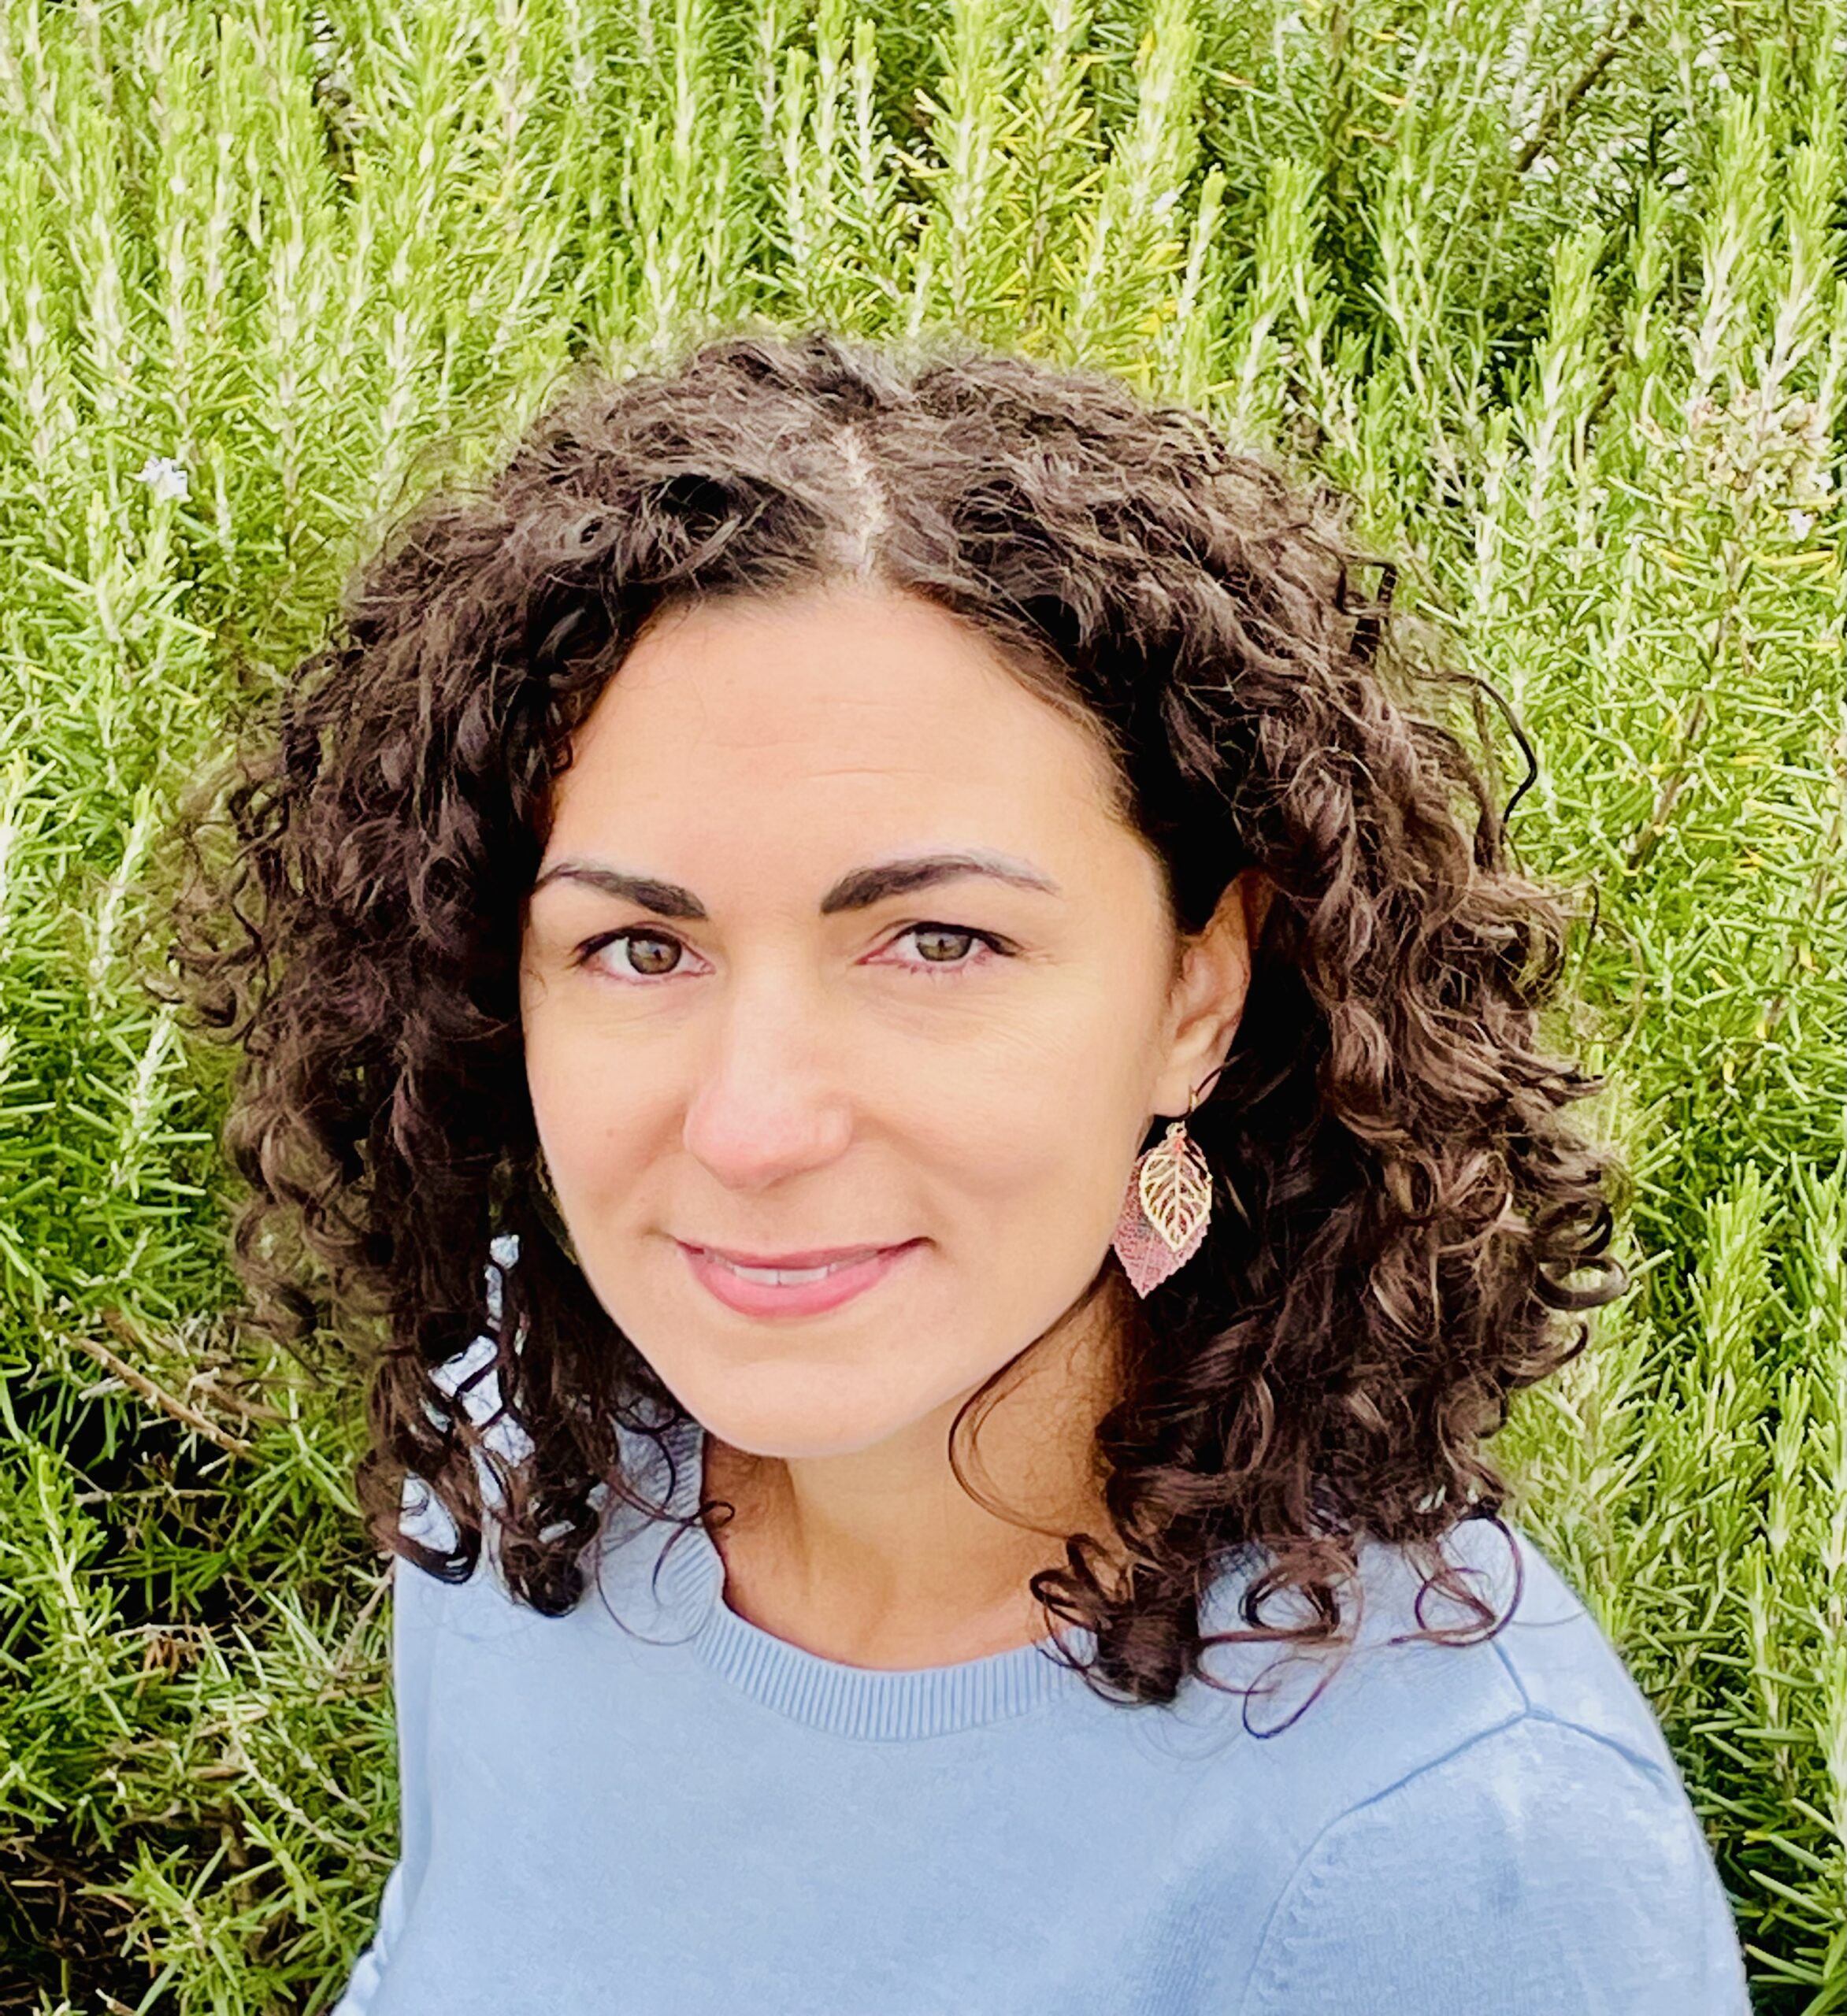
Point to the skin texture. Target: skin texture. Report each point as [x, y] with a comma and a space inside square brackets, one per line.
[770, 1080]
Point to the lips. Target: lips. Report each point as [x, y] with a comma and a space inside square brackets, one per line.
[793, 1291]
[814, 1257]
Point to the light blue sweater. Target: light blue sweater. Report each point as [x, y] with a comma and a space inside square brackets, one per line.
[703, 1820]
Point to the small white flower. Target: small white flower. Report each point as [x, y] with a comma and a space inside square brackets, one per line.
[164, 476]
[1801, 523]
[505, 1248]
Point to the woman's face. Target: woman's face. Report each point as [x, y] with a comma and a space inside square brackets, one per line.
[770, 1053]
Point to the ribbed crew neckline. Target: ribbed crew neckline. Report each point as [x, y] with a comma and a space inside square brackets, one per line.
[874, 1703]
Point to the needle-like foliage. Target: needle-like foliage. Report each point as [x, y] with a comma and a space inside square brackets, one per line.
[1556, 290]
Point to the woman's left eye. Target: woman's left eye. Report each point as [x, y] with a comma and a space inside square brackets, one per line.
[939, 931]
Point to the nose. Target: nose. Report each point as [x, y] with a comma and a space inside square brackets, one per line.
[770, 1101]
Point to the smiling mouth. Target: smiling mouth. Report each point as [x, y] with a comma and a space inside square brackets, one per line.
[790, 1269]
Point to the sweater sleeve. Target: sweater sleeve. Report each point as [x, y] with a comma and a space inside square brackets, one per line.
[1537, 1869]
[418, 1608]
[415, 1618]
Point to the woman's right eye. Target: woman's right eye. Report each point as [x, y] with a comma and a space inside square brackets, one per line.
[637, 966]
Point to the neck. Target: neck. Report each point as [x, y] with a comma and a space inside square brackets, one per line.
[879, 1557]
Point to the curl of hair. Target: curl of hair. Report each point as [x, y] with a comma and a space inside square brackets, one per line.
[1402, 1215]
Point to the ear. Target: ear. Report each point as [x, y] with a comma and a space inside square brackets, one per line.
[1207, 1002]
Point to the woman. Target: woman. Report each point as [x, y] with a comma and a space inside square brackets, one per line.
[887, 889]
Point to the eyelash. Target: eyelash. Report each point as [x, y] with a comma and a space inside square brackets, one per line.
[997, 948]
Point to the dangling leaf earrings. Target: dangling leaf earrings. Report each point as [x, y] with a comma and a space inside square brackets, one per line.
[1168, 1206]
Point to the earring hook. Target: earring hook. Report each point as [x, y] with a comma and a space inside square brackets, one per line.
[1199, 1090]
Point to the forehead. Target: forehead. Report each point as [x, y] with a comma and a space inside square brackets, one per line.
[845, 705]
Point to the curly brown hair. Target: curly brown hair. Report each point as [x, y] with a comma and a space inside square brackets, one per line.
[1402, 1211]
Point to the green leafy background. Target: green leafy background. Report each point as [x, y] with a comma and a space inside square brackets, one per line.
[1555, 288]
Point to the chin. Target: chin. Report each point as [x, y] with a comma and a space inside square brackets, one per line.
[798, 1409]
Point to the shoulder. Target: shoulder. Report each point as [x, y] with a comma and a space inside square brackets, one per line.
[1551, 1660]
[1536, 1868]
[1506, 1828]
[1396, 1703]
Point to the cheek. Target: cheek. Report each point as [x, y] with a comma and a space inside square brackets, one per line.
[607, 1142]
[583, 1109]
[1045, 1141]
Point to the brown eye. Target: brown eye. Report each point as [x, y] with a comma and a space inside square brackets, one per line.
[926, 933]
[662, 951]
[654, 960]
[948, 948]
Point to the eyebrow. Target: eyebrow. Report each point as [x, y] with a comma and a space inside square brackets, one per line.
[857, 890]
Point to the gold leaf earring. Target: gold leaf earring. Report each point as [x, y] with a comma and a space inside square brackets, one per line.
[1168, 1207]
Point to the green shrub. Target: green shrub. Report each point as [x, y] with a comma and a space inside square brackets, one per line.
[1556, 292]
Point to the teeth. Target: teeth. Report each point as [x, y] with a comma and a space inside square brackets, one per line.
[784, 1276]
